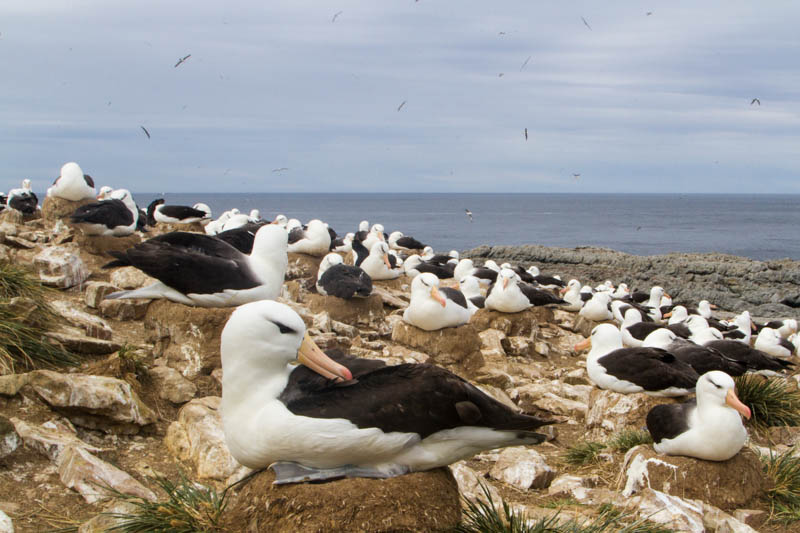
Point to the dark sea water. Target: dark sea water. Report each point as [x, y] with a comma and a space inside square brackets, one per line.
[755, 226]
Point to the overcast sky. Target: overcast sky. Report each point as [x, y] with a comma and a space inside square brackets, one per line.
[631, 101]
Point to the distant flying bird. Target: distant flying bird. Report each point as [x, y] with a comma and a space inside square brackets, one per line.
[526, 134]
[336, 15]
[145, 131]
[181, 60]
[586, 23]
[638, 228]
[280, 169]
[755, 101]
[525, 63]
[501, 33]
[649, 13]
[401, 105]
[576, 176]
[469, 214]
[500, 75]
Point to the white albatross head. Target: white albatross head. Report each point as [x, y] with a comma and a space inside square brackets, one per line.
[718, 389]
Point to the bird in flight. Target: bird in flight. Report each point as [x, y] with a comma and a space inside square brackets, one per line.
[401, 105]
[755, 101]
[468, 213]
[526, 134]
[586, 23]
[145, 131]
[525, 63]
[576, 176]
[280, 169]
[336, 15]
[649, 13]
[181, 60]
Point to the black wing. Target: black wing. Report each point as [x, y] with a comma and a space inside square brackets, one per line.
[704, 359]
[667, 421]
[410, 243]
[640, 330]
[191, 263]
[112, 213]
[538, 296]
[242, 237]
[786, 344]
[750, 357]
[440, 271]
[456, 295]
[182, 212]
[547, 280]
[523, 274]
[296, 234]
[88, 179]
[361, 252]
[478, 301]
[485, 273]
[439, 259]
[24, 203]
[304, 381]
[681, 330]
[346, 281]
[652, 369]
[412, 398]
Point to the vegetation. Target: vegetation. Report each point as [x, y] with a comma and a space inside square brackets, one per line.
[483, 516]
[628, 438]
[189, 508]
[784, 497]
[588, 452]
[23, 324]
[771, 402]
[583, 453]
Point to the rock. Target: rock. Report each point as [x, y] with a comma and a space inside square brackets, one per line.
[9, 438]
[12, 216]
[302, 266]
[197, 437]
[125, 309]
[54, 208]
[391, 298]
[555, 404]
[492, 343]
[610, 411]
[522, 347]
[51, 438]
[75, 341]
[11, 384]
[95, 291]
[25, 310]
[322, 322]
[721, 522]
[128, 278]
[171, 384]
[60, 266]
[726, 484]
[495, 377]
[556, 397]
[751, 517]
[187, 337]
[109, 518]
[422, 501]
[471, 484]
[448, 346]
[670, 511]
[523, 324]
[6, 525]
[92, 477]
[97, 402]
[522, 468]
[100, 245]
[93, 326]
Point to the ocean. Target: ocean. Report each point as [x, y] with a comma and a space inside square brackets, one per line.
[755, 226]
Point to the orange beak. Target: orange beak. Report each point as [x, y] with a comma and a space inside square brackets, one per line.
[438, 297]
[311, 356]
[505, 282]
[584, 344]
[668, 296]
[563, 290]
[667, 315]
[713, 306]
[732, 400]
[386, 260]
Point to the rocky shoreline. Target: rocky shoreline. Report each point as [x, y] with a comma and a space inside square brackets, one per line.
[735, 284]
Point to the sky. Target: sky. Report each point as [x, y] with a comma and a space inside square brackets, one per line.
[403, 95]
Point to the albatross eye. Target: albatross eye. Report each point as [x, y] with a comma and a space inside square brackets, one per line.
[283, 328]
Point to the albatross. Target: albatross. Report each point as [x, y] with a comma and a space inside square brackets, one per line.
[72, 184]
[201, 270]
[432, 308]
[378, 421]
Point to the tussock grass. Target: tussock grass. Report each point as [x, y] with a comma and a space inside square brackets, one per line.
[771, 402]
[189, 508]
[583, 453]
[483, 516]
[624, 440]
[784, 497]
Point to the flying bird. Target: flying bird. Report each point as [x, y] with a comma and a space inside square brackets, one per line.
[401, 105]
[145, 131]
[501, 33]
[526, 134]
[525, 63]
[336, 15]
[755, 101]
[586, 23]
[469, 214]
[649, 13]
[181, 60]
[280, 169]
[576, 176]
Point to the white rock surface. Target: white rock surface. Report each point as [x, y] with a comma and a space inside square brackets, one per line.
[522, 468]
[60, 266]
[6, 525]
[129, 277]
[470, 483]
[171, 384]
[51, 438]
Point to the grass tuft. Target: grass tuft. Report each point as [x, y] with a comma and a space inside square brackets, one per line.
[784, 497]
[189, 508]
[583, 453]
[626, 439]
[483, 516]
[771, 402]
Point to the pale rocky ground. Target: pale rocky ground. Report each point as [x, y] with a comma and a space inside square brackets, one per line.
[145, 403]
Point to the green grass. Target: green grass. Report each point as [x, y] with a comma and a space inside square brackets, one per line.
[483, 516]
[770, 401]
[583, 453]
[188, 509]
[626, 439]
[784, 497]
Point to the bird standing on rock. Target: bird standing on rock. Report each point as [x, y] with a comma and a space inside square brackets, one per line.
[432, 308]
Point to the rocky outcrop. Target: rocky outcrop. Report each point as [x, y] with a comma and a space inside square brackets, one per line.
[766, 288]
[449, 346]
[356, 311]
[54, 208]
[423, 501]
[61, 266]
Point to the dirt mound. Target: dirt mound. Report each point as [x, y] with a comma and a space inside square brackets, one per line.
[423, 501]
